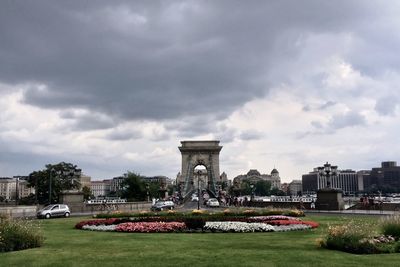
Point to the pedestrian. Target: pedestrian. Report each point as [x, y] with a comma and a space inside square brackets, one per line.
[312, 205]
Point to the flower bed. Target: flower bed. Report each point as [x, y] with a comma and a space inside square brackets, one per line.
[238, 227]
[150, 227]
[199, 222]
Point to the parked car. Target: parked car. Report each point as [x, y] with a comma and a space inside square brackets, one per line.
[54, 210]
[195, 198]
[212, 202]
[163, 205]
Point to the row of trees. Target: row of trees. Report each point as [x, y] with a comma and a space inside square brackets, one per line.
[55, 178]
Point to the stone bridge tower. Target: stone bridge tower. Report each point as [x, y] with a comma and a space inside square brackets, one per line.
[195, 153]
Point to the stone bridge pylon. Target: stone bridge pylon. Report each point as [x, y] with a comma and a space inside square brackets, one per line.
[199, 153]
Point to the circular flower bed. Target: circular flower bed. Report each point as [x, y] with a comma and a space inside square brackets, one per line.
[198, 222]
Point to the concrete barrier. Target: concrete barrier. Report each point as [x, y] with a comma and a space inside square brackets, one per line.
[76, 209]
[19, 211]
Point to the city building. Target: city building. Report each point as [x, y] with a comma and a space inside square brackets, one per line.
[24, 190]
[116, 184]
[295, 188]
[84, 180]
[157, 179]
[384, 178]
[100, 188]
[346, 180]
[7, 188]
[253, 176]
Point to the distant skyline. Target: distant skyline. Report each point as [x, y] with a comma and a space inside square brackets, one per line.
[114, 86]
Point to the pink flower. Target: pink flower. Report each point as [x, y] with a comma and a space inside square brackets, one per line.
[150, 227]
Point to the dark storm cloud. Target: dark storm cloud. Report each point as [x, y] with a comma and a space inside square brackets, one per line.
[155, 60]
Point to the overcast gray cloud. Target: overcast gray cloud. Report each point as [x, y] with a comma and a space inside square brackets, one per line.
[95, 74]
[386, 105]
[156, 61]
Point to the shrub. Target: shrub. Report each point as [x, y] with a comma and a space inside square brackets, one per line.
[19, 234]
[391, 226]
[354, 237]
[195, 222]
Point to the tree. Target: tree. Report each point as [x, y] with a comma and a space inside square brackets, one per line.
[133, 187]
[245, 188]
[87, 193]
[262, 188]
[63, 176]
[277, 192]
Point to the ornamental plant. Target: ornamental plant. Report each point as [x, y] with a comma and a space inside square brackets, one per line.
[391, 226]
[351, 237]
[19, 234]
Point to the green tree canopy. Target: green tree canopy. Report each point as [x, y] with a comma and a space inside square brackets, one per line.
[87, 193]
[63, 176]
[262, 188]
[133, 187]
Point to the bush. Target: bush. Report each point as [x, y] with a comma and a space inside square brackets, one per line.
[19, 234]
[195, 222]
[352, 237]
[391, 226]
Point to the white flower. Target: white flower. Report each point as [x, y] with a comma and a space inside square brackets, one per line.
[292, 227]
[99, 227]
[238, 227]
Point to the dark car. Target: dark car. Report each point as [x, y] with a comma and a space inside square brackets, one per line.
[54, 210]
[163, 205]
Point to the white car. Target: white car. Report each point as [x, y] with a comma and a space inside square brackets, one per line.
[212, 202]
[195, 198]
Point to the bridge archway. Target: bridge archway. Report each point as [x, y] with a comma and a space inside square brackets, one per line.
[199, 153]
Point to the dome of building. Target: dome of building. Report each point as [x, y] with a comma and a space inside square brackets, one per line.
[274, 171]
[253, 172]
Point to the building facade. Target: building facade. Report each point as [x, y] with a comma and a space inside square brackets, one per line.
[7, 188]
[346, 180]
[295, 188]
[253, 176]
[100, 188]
[384, 178]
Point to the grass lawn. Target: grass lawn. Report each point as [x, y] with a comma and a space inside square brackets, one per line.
[65, 246]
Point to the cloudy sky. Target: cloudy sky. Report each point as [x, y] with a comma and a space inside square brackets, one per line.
[113, 86]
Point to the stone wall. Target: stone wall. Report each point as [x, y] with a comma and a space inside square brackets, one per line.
[281, 205]
[18, 211]
[101, 208]
[77, 209]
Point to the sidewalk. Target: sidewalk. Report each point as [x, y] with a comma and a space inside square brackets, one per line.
[354, 212]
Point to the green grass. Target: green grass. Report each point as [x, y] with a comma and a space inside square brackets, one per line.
[65, 246]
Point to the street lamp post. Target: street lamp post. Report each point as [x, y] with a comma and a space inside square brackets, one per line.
[16, 191]
[328, 171]
[198, 189]
[328, 197]
[147, 192]
[252, 192]
[50, 181]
